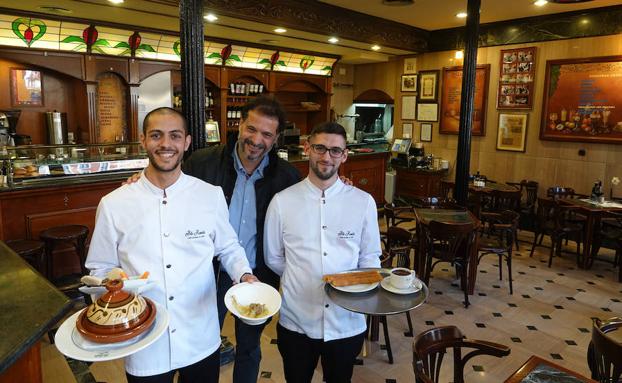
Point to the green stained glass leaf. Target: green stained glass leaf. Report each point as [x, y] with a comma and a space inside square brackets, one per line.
[72, 39]
[28, 36]
[146, 47]
[125, 52]
[214, 56]
[234, 58]
[263, 61]
[99, 42]
[176, 48]
[97, 49]
[280, 62]
[122, 44]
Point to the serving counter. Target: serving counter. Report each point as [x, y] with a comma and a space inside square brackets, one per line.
[29, 307]
[419, 183]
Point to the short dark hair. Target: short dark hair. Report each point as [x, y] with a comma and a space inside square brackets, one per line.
[267, 106]
[329, 128]
[164, 110]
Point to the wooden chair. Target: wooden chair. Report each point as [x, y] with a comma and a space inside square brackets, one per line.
[610, 235]
[498, 238]
[451, 243]
[394, 216]
[429, 349]
[551, 220]
[604, 353]
[529, 196]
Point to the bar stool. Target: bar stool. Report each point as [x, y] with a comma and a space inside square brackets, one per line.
[75, 234]
[31, 250]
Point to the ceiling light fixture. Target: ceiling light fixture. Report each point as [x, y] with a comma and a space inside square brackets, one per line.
[461, 15]
[116, 1]
[333, 40]
[540, 3]
[210, 17]
[375, 47]
[280, 30]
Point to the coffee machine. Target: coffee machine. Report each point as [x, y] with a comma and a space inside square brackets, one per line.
[8, 124]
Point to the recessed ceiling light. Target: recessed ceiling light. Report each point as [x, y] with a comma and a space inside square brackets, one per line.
[280, 30]
[540, 3]
[461, 15]
[116, 1]
[210, 17]
[333, 40]
[53, 9]
[375, 47]
[268, 41]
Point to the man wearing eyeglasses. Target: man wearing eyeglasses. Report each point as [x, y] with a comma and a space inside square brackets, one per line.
[320, 226]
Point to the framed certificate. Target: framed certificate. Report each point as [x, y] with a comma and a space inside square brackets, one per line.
[427, 112]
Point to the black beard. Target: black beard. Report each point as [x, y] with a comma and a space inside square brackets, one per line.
[323, 176]
[157, 167]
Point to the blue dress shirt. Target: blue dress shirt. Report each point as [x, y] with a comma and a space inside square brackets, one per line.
[243, 209]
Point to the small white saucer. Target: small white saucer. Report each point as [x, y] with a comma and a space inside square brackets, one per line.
[360, 288]
[416, 286]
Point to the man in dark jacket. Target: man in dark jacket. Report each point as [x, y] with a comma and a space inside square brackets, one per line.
[250, 174]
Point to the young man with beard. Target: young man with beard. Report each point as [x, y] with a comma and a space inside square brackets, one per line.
[250, 173]
[171, 225]
[320, 226]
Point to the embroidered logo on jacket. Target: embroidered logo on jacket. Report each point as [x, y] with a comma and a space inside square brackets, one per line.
[195, 234]
[345, 234]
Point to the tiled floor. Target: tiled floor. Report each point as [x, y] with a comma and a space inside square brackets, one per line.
[548, 315]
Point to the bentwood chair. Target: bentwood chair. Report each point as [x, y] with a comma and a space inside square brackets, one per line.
[552, 220]
[429, 349]
[529, 196]
[604, 353]
[498, 238]
[449, 242]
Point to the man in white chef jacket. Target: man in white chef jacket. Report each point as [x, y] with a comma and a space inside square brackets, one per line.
[320, 226]
[171, 225]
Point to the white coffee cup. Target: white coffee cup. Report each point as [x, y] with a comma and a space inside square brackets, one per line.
[401, 278]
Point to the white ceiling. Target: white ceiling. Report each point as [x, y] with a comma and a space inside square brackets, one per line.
[426, 14]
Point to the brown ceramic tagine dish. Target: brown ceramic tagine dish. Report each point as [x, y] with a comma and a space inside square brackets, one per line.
[116, 316]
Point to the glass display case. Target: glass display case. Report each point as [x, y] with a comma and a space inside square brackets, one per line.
[32, 165]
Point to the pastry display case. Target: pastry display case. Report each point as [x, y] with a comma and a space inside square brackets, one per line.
[44, 165]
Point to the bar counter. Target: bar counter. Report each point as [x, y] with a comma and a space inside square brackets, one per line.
[30, 306]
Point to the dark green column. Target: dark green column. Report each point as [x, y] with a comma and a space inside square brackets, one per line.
[463, 157]
[192, 69]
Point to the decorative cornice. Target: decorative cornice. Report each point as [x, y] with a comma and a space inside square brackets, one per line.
[317, 17]
[586, 23]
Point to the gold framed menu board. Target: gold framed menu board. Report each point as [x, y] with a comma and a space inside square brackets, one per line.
[517, 71]
[451, 96]
[582, 100]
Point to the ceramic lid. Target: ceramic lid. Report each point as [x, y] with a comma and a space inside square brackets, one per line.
[116, 316]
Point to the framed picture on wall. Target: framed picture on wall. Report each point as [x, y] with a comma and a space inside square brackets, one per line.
[409, 106]
[451, 100]
[582, 100]
[427, 112]
[409, 83]
[517, 70]
[212, 133]
[407, 129]
[512, 132]
[410, 65]
[26, 87]
[428, 86]
[426, 132]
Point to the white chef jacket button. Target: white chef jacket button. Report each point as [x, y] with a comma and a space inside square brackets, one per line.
[324, 227]
[166, 235]
[171, 298]
[326, 305]
[325, 254]
[168, 266]
[163, 202]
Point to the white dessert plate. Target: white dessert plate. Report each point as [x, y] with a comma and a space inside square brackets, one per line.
[416, 286]
[360, 288]
[64, 340]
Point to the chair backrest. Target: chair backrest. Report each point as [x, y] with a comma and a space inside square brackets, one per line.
[606, 365]
[399, 246]
[531, 189]
[506, 199]
[557, 192]
[430, 346]
[449, 241]
[390, 214]
[547, 211]
[502, 224]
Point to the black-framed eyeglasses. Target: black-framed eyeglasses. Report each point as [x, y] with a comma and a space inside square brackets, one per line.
[334, 152]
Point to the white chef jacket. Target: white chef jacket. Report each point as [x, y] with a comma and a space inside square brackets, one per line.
[308, 234]
[173, 234]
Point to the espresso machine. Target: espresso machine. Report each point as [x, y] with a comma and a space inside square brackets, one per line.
[8, 124]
